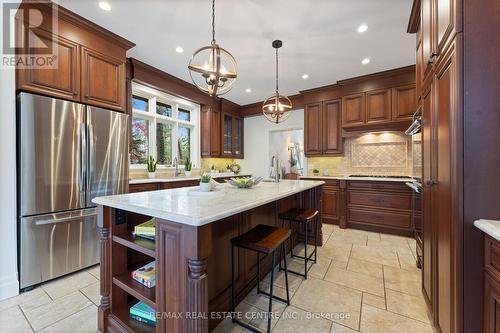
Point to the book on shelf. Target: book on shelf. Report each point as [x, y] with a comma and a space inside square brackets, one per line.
[143, 313]
[150, 237]
[146, 228]
[145, 275]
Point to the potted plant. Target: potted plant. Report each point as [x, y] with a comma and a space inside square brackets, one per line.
[151, 167]
[205, 185]
[188, 166]
[316, 172]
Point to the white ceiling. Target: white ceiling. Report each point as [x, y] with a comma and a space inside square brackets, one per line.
[320, 37]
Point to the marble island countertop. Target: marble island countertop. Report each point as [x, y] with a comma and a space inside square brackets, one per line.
[183, 178]
[181, 205]
[489, 227]
[380, 179]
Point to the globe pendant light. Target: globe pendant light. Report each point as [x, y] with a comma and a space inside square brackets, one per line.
[277, 108]
[212, 69]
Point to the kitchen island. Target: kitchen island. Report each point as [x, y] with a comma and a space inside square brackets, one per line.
[192, 250]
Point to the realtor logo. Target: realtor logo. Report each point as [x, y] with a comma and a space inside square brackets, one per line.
[26, 35]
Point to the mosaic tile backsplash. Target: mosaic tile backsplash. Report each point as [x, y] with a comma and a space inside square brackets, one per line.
[386, 154]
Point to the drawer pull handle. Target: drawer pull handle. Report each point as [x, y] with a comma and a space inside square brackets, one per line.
[378, 200]
[378, 217]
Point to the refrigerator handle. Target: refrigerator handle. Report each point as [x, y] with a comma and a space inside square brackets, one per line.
[82, 156]
[91, 157]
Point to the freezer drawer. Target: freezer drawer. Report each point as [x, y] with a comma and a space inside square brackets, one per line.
[53, 245]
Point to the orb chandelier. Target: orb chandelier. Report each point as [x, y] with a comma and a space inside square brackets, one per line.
[212, 69]
[277, 108]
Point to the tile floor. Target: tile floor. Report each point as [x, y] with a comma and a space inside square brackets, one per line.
[363, 282]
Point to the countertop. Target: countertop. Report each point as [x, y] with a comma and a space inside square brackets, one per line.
[380, 179]
[489, 227]
[182, 178]
[182, 205]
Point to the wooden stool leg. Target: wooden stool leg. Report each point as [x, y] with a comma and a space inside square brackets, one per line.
[271, 293]
[283, 249]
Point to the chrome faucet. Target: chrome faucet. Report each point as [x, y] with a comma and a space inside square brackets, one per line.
[176, 164]
[275, 169]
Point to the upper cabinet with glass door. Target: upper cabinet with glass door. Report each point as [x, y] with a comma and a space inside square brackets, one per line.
[232, 136]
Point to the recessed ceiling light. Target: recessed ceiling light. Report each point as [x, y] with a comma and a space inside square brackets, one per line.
[105, 6]
[179, 49]
[248, 90]
[305, 76]
[362, 28]
[365, 61]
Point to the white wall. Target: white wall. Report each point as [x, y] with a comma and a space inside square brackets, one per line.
[257, 129]
[279, 144]
[9, 285]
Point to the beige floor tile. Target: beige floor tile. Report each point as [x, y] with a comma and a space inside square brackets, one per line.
[261, 301]
[93, 292]
[343, 304]
[336, 328]
[12, 320]
[95, 271]
[27, 300]
[297, 320]
[376, 301]
[325, 238]
[84, 321]
[68, 284]
[347, 237]
[46, 315]
[294, 281]
[374, 320]
[258, 318]
[408, 262]
[376, 255]
[408, 282]
[358, 281]
[327, 228]
[339, 264]
[316, 270]
[394, 237]
[336, 251]
[365, 267]
[399, 246]
[227, 326]
[407, 305]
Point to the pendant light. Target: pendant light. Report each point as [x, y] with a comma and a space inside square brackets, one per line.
[277, 108]
[212, 69]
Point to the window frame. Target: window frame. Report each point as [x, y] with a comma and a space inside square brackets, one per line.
[153, 96]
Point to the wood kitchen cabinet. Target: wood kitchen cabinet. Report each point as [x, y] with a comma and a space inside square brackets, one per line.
[491, 285]
[378, 106]
[103, 80]
[333, 201]
[232, 136]
[322, 132]
[89, 60]
[379, 206]
[404, 102]
[379, 109]
[210, 131]
[353, 110]
[63, 81]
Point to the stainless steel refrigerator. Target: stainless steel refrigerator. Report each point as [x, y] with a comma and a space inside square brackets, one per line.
[68, 153]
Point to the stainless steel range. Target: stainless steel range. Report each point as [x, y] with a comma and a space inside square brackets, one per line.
[68, 153]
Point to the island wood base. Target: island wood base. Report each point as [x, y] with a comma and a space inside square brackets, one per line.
[193, 266]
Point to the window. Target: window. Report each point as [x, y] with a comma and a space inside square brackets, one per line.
[164, 127]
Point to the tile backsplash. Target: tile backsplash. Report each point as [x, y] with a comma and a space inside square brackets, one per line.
[385, 153]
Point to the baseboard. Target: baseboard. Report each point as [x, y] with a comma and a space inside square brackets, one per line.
[9, 286]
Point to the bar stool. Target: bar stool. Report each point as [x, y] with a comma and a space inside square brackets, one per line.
[263, 239]
[303, 217]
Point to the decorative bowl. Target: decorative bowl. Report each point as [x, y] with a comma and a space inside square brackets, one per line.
[245, 182]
